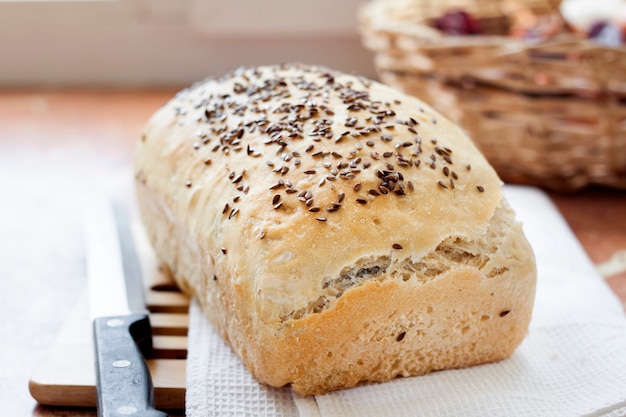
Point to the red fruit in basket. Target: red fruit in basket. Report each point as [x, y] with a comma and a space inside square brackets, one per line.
[458, 22]
[606, 33]
[595, 29]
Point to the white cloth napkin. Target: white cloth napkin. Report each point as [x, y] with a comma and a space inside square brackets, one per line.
[572, 363]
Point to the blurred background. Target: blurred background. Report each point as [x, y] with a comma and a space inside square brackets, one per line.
[165, 43]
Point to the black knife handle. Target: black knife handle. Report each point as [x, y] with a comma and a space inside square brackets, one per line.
[123, 383]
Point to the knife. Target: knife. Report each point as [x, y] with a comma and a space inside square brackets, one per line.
[121, 325]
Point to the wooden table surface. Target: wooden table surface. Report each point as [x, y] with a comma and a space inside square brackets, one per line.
[59, 147]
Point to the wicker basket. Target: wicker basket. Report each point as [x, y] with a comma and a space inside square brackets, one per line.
[549, 113]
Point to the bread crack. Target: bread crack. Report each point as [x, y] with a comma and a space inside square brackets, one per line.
[363, 271]
[480, 252]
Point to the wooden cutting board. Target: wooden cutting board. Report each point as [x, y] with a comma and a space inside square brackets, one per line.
[66, 375]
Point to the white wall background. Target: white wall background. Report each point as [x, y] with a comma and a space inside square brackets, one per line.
[137, 43]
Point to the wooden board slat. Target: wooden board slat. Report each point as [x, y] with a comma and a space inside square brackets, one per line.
[169, 347]
[167, 301]
[169, 324]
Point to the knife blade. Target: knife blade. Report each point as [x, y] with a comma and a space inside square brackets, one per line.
[121, 325]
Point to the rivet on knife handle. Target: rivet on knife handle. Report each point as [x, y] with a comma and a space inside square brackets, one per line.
[123, 379]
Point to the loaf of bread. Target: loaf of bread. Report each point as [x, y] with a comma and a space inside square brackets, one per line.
[334, 230]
